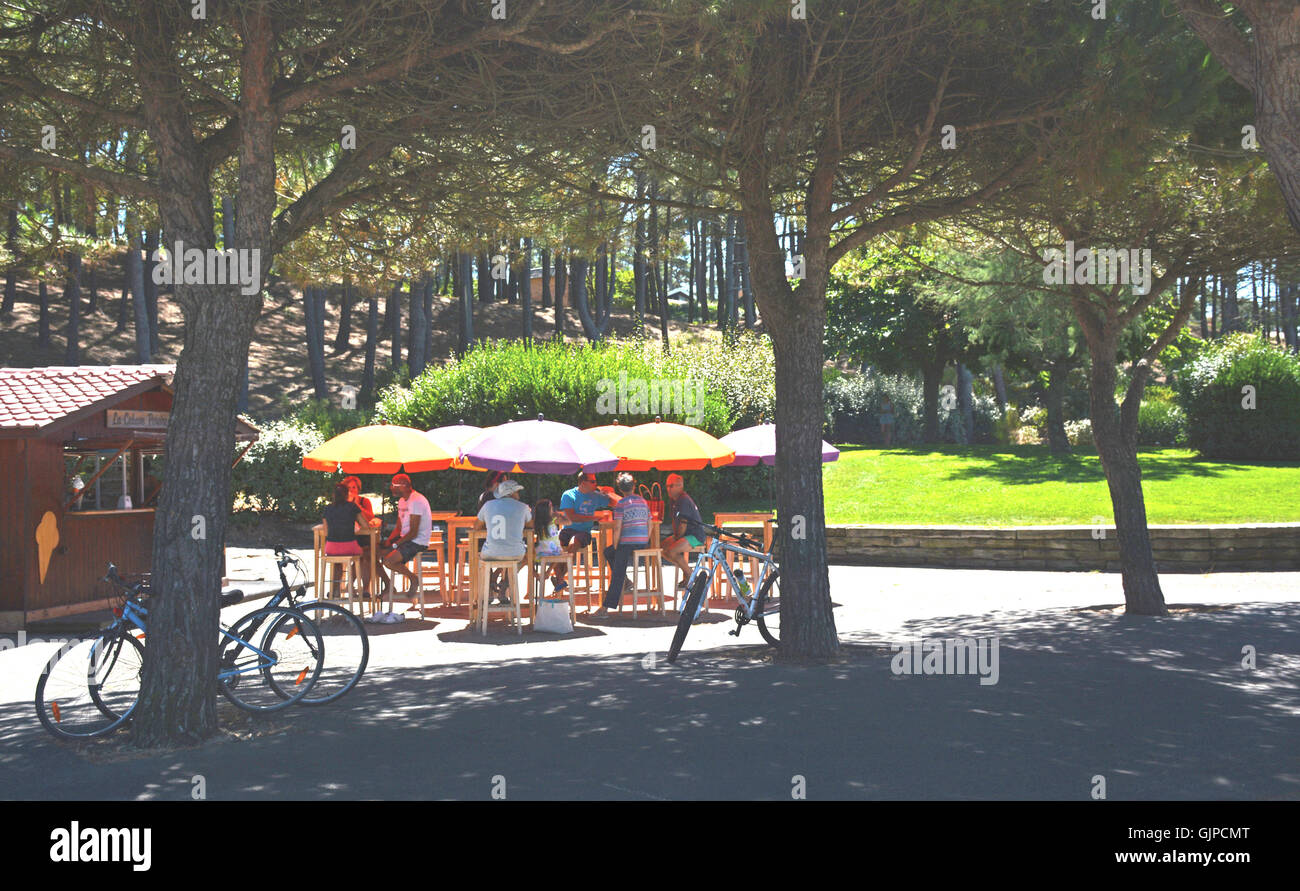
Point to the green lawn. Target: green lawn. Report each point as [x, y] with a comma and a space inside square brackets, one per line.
[1024, 485]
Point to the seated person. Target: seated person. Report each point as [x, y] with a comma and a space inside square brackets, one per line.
[414, 524]
[341, 519]
[687, 524]
[578, 506]
[505, 518]
[547, 524]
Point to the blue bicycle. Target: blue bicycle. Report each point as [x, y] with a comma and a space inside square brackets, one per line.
[759, 602]
[268, 660]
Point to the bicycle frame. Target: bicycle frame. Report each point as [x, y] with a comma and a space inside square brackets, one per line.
[136, 614]
[713, 559]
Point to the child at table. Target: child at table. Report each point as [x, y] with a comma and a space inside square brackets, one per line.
[547, 524]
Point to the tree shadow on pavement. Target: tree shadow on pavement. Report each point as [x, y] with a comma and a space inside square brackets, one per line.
[1162, 708]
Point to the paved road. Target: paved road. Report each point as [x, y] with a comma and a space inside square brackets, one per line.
[1160, 708]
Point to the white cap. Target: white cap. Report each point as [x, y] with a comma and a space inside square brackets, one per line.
[508, 487]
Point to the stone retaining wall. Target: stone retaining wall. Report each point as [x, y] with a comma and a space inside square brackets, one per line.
[1262, 546]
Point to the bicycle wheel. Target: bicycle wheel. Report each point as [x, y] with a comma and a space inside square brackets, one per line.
[768, 609]
[687, 617]
[89, 689]
[279, 669]
[349, 650]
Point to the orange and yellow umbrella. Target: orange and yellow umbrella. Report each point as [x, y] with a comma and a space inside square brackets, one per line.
[665, 446]
[380, 448]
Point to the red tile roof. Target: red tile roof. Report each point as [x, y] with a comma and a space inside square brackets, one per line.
[32, 398]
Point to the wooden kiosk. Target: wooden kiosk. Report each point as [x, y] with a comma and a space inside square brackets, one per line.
[78, 445]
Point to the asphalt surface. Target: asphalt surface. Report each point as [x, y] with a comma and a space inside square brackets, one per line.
[1161, 708]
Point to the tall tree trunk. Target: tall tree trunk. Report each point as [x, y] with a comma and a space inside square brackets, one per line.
[426, 351]
[546, 278]
[1116, 440]
[1057, 442]
[135, 276]
[999, 388]
[561, 292]
[1205, 327]
[395, 324]
[11, 273]
[92, 287]
[598, 293]
[719, 275]
[1286, 300]
[690, 272]
[367, 395]
[702, 272]
[485, 282]
[526, 290]
[1231, 311]
[742, 247]
[578, 286]
[639, 253]
[151, 289]
[732, 315]
[466, 302]
[415, 330]
[72, 294]
[343, 339]
[796, 319]
[313, 300]
[931, 374]
[1265, 62]
[43, 325]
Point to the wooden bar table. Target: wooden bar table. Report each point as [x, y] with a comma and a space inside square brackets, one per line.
[455, 523]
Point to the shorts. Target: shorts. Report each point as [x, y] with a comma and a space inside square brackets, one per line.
[342, 548]
[692, 540]
[408, 550]
[568, 534]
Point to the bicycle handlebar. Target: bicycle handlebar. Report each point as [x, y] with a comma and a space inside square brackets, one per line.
[741, 537]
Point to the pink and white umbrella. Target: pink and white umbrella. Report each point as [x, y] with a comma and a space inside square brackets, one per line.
[454, 436]
[538, 446]
[755, 444]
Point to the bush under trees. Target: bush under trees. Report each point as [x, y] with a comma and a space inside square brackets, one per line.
[1242, 397]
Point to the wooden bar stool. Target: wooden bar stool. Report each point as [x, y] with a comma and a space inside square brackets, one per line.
[537, 573]
[647, 564]
[318, 533]
[433, 567]
[485, 609]
[351, 566]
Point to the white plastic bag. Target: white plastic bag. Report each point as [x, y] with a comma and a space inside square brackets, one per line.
[553, 615]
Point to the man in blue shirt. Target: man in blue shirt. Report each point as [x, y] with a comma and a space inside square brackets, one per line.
[631, 531]
[579, 506]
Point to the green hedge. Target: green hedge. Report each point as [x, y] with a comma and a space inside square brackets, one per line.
[271, 476]
[576, 384]
[853, 412]
[1220, 424]
[1161, 421]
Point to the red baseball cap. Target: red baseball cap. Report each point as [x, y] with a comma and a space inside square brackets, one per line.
[401, 478]
[674, 478]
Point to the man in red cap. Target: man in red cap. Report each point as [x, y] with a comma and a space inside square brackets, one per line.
[688, 527]
[414, 523]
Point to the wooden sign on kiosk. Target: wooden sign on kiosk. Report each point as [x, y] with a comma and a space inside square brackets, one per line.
[56, 546]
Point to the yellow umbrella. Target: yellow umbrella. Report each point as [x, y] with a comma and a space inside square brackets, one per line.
[667, 446]
[380, 448]
[608, 435]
